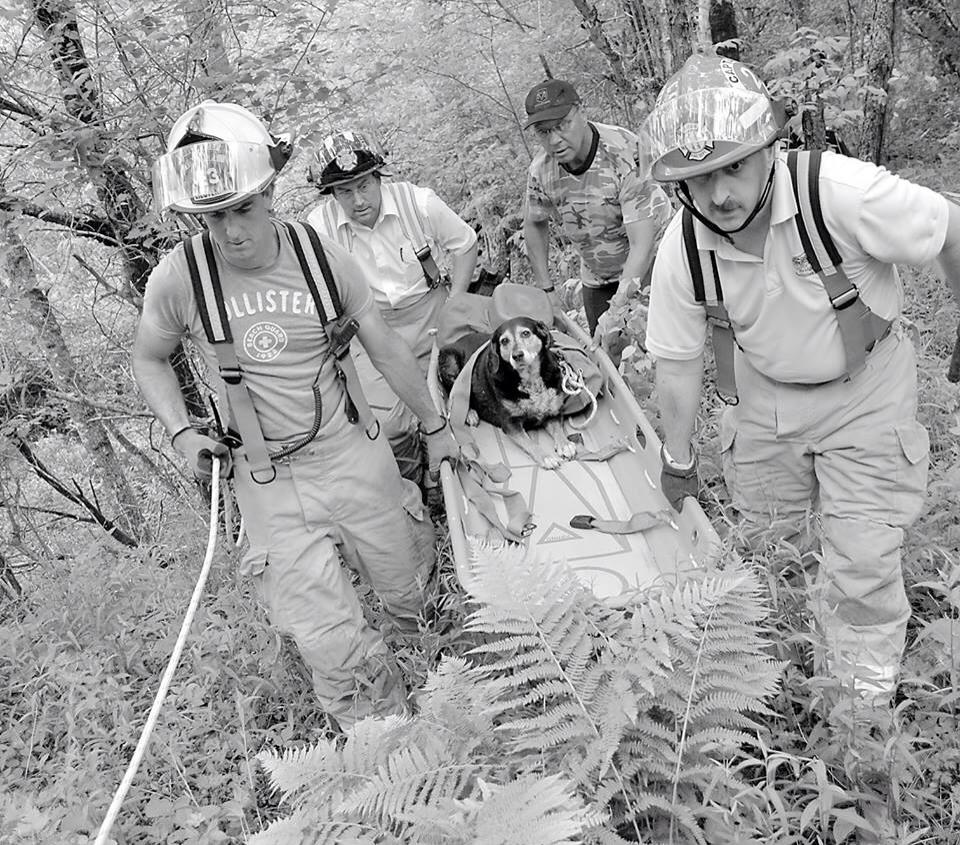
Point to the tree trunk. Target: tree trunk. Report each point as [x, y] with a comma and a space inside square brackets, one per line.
[814, 126]
[933, 23]
[58, 24]
[125, 209]
[30, 303]
[723, 28]
[702, 42]
[879, 28]
[594, 28]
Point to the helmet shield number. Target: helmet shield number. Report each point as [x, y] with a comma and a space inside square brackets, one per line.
[199, 176]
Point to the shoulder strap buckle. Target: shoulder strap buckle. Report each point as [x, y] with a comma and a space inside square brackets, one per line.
[845, 298]
[231, 375]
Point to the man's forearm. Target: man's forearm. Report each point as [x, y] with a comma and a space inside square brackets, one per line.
[461, 271]
[402, 373]
[536, 236]
[161, 391]
[642, 236]
[678, 385]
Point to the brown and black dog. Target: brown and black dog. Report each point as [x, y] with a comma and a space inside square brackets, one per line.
[516, 385]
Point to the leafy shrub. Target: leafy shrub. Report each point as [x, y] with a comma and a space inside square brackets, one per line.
[574, 720]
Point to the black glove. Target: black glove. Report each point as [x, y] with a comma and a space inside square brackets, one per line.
[678, 483]
[199, 450]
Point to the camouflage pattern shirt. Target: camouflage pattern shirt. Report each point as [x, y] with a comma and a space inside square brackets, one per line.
[593, 204]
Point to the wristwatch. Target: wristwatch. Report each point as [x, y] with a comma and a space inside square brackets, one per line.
[670, 462]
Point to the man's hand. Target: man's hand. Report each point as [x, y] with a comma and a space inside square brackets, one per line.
[677, 482]
[610, 334]
[441, 446]
[199, 451]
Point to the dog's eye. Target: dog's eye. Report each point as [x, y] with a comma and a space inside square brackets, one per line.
[524, 332]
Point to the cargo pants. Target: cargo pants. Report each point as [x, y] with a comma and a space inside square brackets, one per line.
[413, 323]
[339, 500]
[854, 450]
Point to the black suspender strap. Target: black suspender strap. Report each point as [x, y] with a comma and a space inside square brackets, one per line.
[216, 325]
[860, 328]
[701, 263]
[412, 224]
[340, 329]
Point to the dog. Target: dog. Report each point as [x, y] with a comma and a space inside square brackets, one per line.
[516, 385]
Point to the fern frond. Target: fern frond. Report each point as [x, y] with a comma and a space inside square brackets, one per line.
[729, 702]
[719, 739]
[601, 835]
[297, 829]
[412, 778]
[288, 831]
[645, 802]
[296, 768]
[532, 811]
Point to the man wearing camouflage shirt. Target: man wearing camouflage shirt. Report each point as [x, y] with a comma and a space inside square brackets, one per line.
[587, 179]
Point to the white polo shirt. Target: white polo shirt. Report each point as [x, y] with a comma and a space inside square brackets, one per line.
[386, 254]
[780, 312]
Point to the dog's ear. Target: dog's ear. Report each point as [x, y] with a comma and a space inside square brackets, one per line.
[450, 362]
[541, 331]
[504, 378]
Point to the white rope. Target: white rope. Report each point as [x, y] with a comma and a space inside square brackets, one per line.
[572, 384]
[165, 681]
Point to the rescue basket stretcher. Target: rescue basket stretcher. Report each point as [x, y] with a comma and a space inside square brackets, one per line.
[615, 494]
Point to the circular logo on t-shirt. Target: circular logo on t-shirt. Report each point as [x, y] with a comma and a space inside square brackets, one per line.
[264, 341]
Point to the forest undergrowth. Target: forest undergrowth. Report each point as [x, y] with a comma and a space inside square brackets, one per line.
[82, 650]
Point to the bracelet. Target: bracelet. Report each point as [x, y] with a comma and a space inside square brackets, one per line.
[669, 462]
[438, 429]
[178, 432]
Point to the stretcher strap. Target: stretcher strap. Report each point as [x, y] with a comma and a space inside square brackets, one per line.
[480, 493]
[638, 522]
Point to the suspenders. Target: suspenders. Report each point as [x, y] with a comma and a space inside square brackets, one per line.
[205, 279]
[411, 224]
[860, 328]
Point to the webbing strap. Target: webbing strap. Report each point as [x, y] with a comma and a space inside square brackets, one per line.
[636, 523]
[330, 217]
[703, 265]
[860, 328]
[313, 263]
[412, 224]
[483, 482]
[213, 314]
[205, 279]
[724, 342]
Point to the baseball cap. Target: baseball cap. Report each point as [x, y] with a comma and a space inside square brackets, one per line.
[549, 100]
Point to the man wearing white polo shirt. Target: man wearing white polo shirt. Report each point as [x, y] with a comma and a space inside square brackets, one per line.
[827, 414]
[415, 252]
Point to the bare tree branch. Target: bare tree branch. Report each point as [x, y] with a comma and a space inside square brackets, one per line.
[98, 228]
[78, 497]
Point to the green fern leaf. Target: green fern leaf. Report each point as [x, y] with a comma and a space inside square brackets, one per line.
[296, 768]
[297, 829]
[531, 811]
[412, 778]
